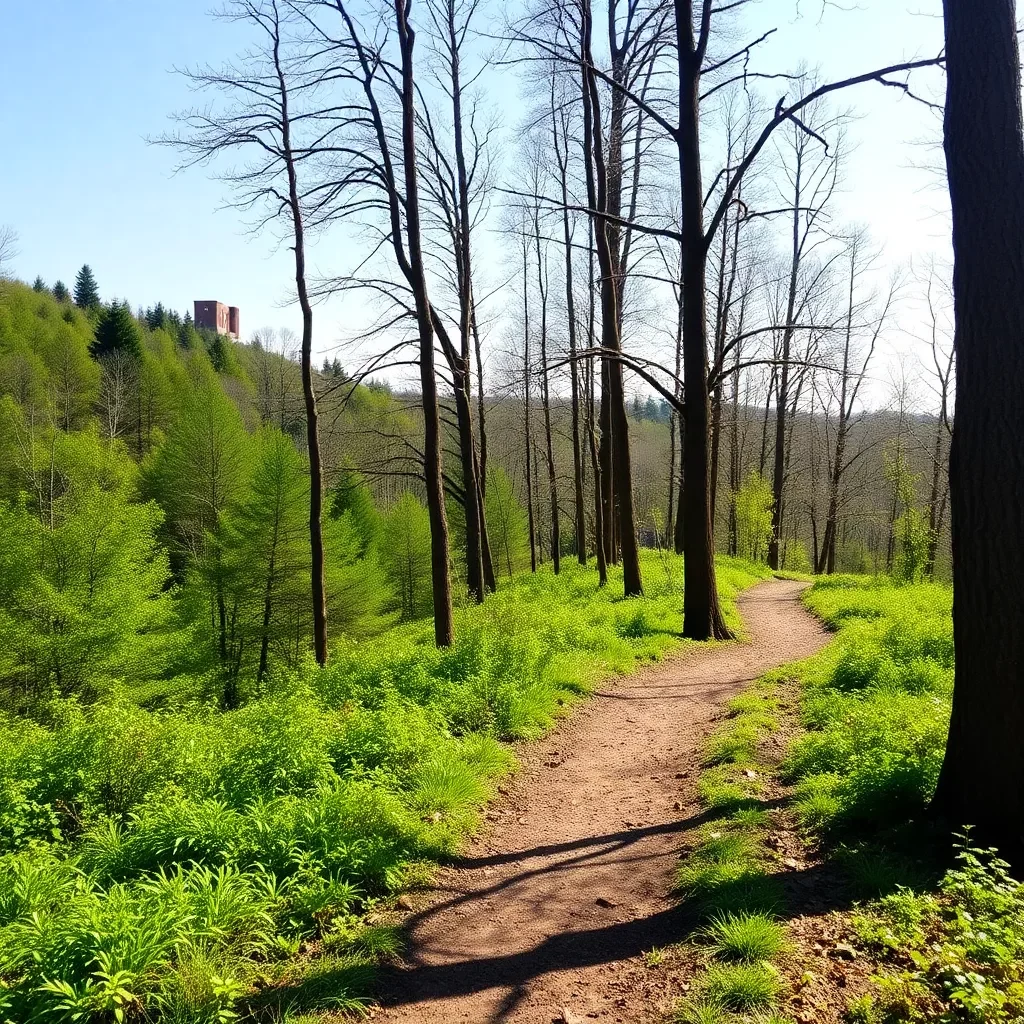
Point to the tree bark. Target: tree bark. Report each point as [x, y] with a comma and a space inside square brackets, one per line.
[527, 438]
[316, 477]
[702, 614]
[982, 777]
[597, 188]
[440, 579]
[545, 396]
[579, 516]
[782, 399]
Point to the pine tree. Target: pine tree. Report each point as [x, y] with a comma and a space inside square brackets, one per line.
[39, 285]
[265, 557]
[60, 292]
[188, 336]
[156, 317]
[117, 331]
[405, 552]
[352, 498]
[87, 292]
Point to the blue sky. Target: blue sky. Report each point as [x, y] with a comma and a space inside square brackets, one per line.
[86, 82]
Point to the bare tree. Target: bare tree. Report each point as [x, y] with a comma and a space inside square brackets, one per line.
[265, 112]
[119, 385]
[459, 180]
[942, 359]
[813, 180]
[8, 248]
[852, 372]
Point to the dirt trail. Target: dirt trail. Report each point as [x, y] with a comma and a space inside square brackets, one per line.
[570, 881]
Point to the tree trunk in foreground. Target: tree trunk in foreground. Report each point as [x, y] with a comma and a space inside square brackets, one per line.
[982, 778]
[444, 630]
[702, 614]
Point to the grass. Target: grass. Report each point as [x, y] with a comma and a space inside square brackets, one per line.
[875, 704]
[185, 864]
[747, 937]
[742, 987]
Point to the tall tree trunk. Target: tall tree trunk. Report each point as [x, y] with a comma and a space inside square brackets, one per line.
[675, 427]
[440, 579]
[527, 435]
[476, 529]
[937, 493]
[679, 531]
[600, 548]
[702, 614]
[782, 399]
[542, 287]
[982, 777]
[605, 238]
[316, 476]
[579, 512]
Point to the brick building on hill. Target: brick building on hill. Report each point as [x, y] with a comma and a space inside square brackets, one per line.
[215, 316]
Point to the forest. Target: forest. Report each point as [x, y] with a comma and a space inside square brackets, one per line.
[614, 617]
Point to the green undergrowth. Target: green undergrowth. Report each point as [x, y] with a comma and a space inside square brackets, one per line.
[949, 947]
[728, 880]
[875, 705]
[188, 864]
[954, 953]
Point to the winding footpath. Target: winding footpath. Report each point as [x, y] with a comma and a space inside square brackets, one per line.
[547, 915]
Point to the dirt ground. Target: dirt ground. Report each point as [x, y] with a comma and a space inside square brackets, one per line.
[547, 916]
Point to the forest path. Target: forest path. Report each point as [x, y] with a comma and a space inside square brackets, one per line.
[546, 916]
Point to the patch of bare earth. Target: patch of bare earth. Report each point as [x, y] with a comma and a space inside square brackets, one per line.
[547, 916]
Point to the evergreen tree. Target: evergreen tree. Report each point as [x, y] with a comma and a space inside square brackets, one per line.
[39, 285]
[265, 557]
[507, 524]
[405, 552]
[188, 336]
[157, 317]
[352, 498]
[60, 292]
[87, 292]
[117, 331]
[198, 473]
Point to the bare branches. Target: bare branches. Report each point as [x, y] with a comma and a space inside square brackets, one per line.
[8, 247]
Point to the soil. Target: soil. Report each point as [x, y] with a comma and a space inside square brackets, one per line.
[548, 915]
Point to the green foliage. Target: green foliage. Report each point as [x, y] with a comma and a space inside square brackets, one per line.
[405, 555]
[742, 987]
[82, 579]
[60, 291]
[876, 703]
[910, 531]
[753, 503]
[727, 874]
[913, 537]
[87, 292]
[956, 954]
[201, 468]
[180, 863]
[353, 498]
[44, 358]
[117, 331]
[507, 527]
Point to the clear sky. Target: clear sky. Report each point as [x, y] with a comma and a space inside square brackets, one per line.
[86, 81]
